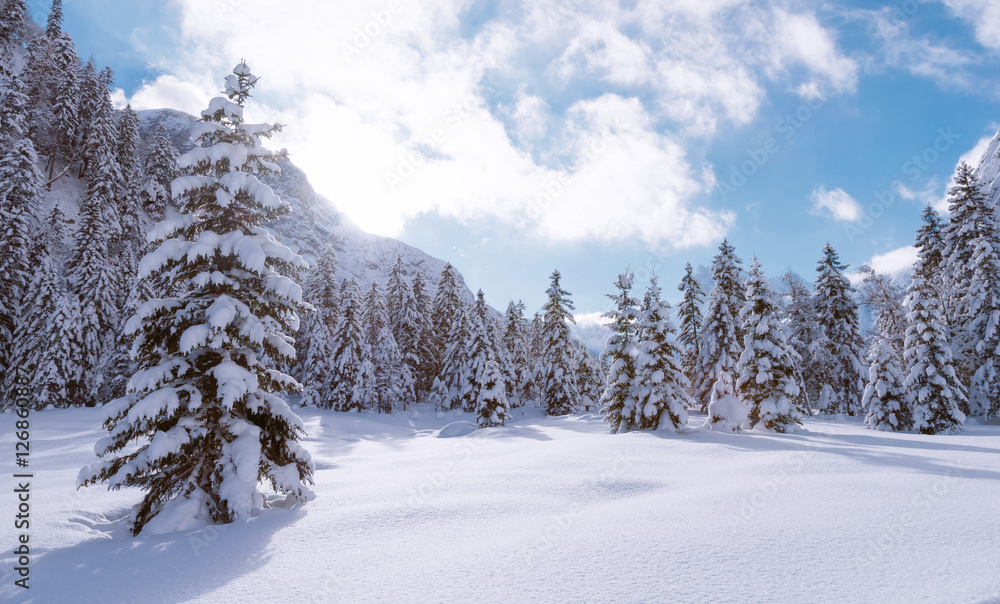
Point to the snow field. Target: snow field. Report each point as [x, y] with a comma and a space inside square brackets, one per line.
[420, 507]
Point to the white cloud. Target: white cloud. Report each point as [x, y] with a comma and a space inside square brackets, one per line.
[983, 15]
[894, 262]
[392, 107]
[837, 204]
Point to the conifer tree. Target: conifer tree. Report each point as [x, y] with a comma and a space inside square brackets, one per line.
[661, 388]
[204, 407]
[767, 381]
[454, 374]
[558, 384]
[404, 316]
[930, 242]
[58, 377]
[839, 349]
[128, 193]
[66, 118]
[53, 27]
[885, 399]
[515, 347]
[800, 322]
[13, 14]
[351, 373]
[487, 390]
[970, 219]
[160, 169]
[393, 384]
[935, 391]
[984, 328]
[721, 332]
[589, 379]
[20, 197]
[690, 317]
[13, 113]
[885, 299]
[445, 313]
[620, 354]
[426, 351]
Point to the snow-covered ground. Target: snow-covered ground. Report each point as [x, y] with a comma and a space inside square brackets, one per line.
[420, 507]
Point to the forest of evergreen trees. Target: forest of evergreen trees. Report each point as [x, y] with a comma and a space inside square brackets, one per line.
[164, 297]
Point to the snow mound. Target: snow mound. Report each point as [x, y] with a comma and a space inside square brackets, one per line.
[456, 429]
[727, 413]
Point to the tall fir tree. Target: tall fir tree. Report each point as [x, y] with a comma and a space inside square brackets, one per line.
[515, 347]
[160, 169]
[884, 298]
[14, 113]
[767, 382]
[589, 379]
[983, 330]
[721, 331]
[65, 110]
[799, 314]
[559, 389]
[486, 384]
[204, 407]
[935, 390]
[839, 347]
[662, 391]
[351, 372]
[690, 317]
[58, 377]
[620, 354]
[405, 318]
[426, 351]
[885, 400]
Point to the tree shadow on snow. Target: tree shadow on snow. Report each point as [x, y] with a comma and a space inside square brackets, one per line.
[158, 568]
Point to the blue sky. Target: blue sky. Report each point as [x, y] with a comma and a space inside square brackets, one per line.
[590, 136]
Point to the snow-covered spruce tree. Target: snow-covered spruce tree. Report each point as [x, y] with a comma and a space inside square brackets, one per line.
[66, 119]
[800, 327]
[486, 385]
[315, 339]
[160, 169]
[351, 371]
[559, 390]
[930, 242]
[767, 381]
[426, 351]
[531, 389]
[405, 318]
[589, 379]
[94, 279]
[456, 366]
[447, 316]
[58, 379]
[393, 385]
[885, 299]
[13, 14]
[935, 392]
[721, 332]
[128, 194]
[971, 217]
[203, 407]
[661, 388]
[13, 113]
[984, 329]
[515, 347]
[619, 354]
[20, 197]
[839, 348]
[885, 399]
[690, 317]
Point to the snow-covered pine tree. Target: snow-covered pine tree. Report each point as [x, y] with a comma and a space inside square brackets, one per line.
[767, 382]
[128, 193]
[13, 14]
[559, 390]
[515, 347]
[405, 318]
[13, 113]
[930, 242]
[885, 399]
[160, 169]
[447, 307]
[95, 281]
[351, 372]
[487, 390]
[721, 331]
[800, 323]
[690, 317]
[58, 378]
[885, 299]
[393, 384]
[589, 379]
[455, 366]
[20, 198]
[53, 26]
[662, 391]
[984, 328]
[971, 219]
[936, 395]
[426, 351]
[839, 347]
[619, 354]
[536, 346]
[65, 111]
[203, 407]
